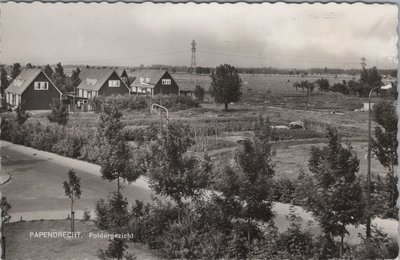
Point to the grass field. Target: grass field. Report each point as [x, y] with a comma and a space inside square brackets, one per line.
[270, 96]
[20, 246]
[277, 90]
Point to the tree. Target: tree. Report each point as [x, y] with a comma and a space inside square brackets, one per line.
[323, 85]
[341, 88]
[336, 197]
[199, 93]
[353, 87]
[3, 86]
[22, 115]
[59, 113]
[48, 71]
[115, 250]
[75, 81]
[72, 190]
[171, 170]
[370, 78]
[305, 85]
[225, 85]
[385, 144]
[115, 157]
[5, 217]
[16, 70]
[29, 66]
[59, 77]
[246, 187]
[5, 209]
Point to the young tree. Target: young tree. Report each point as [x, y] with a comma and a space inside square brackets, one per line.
[5, 217]
[370, 78]
[246, 187]
[72, 190]
[59, 78]
[171, 170]
[336, 199]
[48, 71]
[115, 157]
[225, 85]
[3, 86]
[323, 84]
[22, 115]
[305, 85]
[59, 113]
[385, 145]
[75, 81]
[199, 93]
[16, 70]
[5, 209]
[115, 250]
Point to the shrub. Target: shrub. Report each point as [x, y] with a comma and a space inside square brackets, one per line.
[155, 220]
[283, 190]
[140, 102]
[86, 215]
[71, 145]
[101, 214]
[113, 213]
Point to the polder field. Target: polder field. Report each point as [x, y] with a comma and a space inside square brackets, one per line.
[278, 90]
[219, 132]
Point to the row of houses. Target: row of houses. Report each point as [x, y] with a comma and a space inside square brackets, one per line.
[32, 89]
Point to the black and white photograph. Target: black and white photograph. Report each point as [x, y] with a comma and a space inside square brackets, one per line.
[198, 131]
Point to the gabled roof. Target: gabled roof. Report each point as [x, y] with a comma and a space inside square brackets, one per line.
[94, 78]
[120, 71]
[187, 87]
[24, 79]
[147, 78]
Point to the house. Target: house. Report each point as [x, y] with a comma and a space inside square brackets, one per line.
[123, 75]
[33, 90]
[154, 82]
[100, 82]
[186, 90]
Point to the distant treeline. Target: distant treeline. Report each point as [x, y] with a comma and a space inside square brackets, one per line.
[256, 70]
[270, 70]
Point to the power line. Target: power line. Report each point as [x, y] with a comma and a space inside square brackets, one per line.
[280, 57]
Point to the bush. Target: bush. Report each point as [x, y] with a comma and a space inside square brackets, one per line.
[140, 102]
[144, 134]
[112, 214]
[71, 145]
[283, 190]
[86, 215]
[379, 247]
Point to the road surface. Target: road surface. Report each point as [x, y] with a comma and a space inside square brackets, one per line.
[35, 190]
[36, 183]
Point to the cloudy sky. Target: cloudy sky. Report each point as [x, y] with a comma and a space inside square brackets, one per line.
[277, 35]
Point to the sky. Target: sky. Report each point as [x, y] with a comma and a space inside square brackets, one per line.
[244, 35]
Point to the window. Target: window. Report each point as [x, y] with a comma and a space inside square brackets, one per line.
[113, 83]
[166, 81]
[41, 85]
[91, 81]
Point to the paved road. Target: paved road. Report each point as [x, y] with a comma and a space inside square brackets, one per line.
[36, 183]
[35, 189]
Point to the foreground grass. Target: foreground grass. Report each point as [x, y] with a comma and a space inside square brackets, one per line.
[21, 246]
